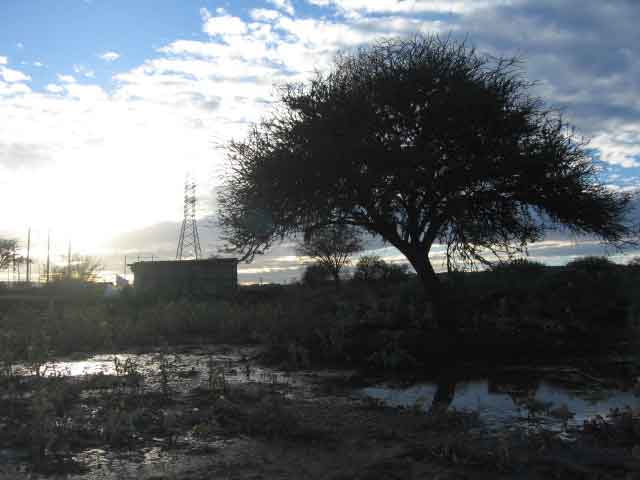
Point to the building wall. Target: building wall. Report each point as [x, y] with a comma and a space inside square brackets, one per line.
[202, 278]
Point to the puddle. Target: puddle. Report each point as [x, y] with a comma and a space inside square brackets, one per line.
[506, 400]
[190, 371]
[506, 405]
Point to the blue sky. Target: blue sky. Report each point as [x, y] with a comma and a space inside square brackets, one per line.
[105, 104]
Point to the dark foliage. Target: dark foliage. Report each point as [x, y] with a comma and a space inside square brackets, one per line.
[8, 249]
[371, 268]
[418, 141]
[315, 275]
[331, 246]
[592, 265]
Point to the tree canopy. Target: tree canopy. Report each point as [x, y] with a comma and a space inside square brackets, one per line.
[331, 246]
[8, 248]
[82, 268]
[419, 141]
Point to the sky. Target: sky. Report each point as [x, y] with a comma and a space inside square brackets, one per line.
[105, 105]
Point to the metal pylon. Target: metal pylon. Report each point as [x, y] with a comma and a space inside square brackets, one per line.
[189, 242]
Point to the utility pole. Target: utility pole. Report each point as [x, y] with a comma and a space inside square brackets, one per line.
[48, 252]
[29, 256]
[69, 261]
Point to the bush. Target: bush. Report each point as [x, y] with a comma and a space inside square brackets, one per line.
[520, 266]
[315, 274]
[591, 292]
[592, 265]
[634, 264]
[371, 268]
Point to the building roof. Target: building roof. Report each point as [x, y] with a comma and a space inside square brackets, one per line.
[206, 261]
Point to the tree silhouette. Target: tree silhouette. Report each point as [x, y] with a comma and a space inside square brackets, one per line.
[331, 246]
[8, 248]
[418, 141]
[82, 268]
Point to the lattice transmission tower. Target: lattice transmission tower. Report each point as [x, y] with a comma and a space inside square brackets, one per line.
[189, 242]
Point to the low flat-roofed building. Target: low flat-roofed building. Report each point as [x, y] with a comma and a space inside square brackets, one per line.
[198, 278]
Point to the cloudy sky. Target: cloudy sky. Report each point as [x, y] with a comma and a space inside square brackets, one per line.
[105, 104]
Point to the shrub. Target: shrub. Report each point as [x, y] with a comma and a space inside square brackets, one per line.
[371, 268]
[315, 274]
[591, 292]
[591, 265]
[520, 266]
[634, 264]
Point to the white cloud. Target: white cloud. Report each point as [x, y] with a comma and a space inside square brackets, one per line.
[110, 56]
[66, 78]
[409, 6]
[10, 75]
[621, 147]
[82, 70]
[38, 64]
[224, 25]
[11, 89]
[88, 94]
[53, 88]
[284, 5]
[3, 60]
[263, 14]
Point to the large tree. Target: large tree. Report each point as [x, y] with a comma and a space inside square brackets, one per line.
[419, 141]
[331, 246]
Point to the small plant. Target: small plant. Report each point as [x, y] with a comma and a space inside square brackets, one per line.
[129, 370]
[7, 355]
[168, 370]
[216, 382]
[37, 361]
[298, 355]
[128, 367]
[392, 356]
[118, 427]
[46, 430]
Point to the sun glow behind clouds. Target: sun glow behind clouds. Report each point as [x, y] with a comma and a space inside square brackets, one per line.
[108, 164]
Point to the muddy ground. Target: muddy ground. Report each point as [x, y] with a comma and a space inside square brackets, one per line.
[217, 412]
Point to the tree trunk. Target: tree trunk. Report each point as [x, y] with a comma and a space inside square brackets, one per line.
[445, 392]
[432, 287]
[336, 278]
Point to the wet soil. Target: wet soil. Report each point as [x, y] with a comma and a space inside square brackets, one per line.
[216, 412]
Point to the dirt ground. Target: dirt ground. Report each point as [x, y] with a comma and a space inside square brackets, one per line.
[217, 413]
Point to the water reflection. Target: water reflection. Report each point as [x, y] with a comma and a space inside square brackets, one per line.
[500, 403]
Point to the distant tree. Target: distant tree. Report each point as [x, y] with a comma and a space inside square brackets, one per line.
[419, 141]
[331, 246]
[315, 274]
[371, 268]
[634, 263]
[519, 266]
[8, 248]
[592, 265]
[82, 268]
